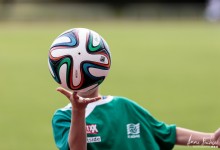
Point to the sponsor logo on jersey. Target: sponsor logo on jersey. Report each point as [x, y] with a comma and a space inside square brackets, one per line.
[133, 130]
[91, 129]
[93, 139]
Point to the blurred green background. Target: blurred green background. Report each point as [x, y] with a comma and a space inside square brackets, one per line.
[169, 66]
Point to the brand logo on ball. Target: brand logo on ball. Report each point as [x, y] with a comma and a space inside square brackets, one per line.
[76, 74]
[102, 59]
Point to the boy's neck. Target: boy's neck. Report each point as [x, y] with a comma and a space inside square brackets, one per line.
[90, 94]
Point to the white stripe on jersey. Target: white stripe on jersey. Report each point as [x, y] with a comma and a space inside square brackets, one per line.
[90, 107]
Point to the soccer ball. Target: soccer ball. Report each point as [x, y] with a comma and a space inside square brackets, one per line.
[79, 59]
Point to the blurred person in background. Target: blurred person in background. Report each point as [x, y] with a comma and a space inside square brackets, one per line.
[212, 12]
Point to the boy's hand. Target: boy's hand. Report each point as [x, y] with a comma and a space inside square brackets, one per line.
[217, 137]
[78, 103]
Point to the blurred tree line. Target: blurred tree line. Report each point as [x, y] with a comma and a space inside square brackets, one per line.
[111, 2]
[10, 8]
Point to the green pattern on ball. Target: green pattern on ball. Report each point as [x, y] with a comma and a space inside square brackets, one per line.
[91, 48]
[67, 61]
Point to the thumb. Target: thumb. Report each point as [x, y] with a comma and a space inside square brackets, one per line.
[64, 92]
[217, 134]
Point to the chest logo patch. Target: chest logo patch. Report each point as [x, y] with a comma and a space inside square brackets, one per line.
[94, 139]
[91, 129]
[133, 130]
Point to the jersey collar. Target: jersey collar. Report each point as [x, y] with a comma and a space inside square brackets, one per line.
[90, 107]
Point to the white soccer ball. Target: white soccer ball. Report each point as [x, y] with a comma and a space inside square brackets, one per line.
[79, 59]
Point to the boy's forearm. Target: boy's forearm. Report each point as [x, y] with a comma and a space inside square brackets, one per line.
[190, 138]
[77, 134]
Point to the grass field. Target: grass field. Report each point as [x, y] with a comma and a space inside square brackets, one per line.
[172, 68]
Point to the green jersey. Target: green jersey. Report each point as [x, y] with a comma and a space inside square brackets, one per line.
[116, 123]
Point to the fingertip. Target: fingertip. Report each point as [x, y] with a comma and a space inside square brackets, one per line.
[59, 89]
[62, 90]
[99, 97]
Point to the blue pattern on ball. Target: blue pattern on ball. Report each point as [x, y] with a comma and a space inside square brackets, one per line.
[86, 67]
[72, 43]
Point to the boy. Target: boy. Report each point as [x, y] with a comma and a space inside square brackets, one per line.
[96, 122]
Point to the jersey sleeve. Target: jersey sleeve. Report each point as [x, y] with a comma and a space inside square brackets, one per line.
[61, 125]
[164, 134]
